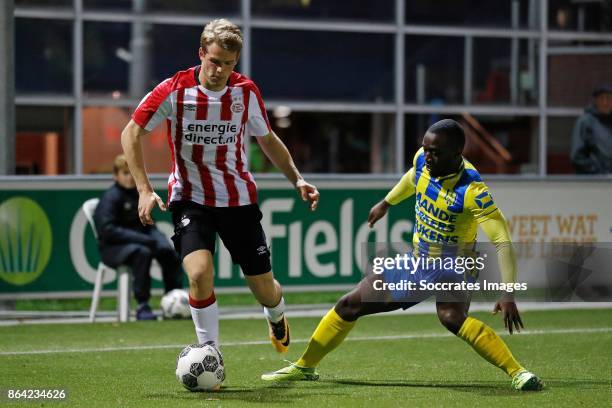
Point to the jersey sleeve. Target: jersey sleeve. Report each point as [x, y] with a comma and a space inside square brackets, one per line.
[403, 189]
[496, 228]
[154, 107]
[479, 201]
[257, 124]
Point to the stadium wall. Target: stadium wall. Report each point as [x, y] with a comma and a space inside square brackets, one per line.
[48, 250]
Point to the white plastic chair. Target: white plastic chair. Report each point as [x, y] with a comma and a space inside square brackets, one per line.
[123, 274]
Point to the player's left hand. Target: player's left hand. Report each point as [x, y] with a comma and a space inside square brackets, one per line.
[308, 192]
[510, 314]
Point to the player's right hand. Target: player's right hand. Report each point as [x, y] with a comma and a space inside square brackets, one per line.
[377, 212]
[146, 202]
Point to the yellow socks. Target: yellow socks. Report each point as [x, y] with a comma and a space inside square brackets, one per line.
[489, 345]
[330, 332]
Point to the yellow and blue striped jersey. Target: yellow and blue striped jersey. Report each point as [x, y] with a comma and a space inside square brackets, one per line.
[447, 209]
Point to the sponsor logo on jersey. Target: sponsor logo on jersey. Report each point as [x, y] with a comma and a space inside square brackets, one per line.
[219, 128]
[433, 210]
[220, 133]
[216, 140]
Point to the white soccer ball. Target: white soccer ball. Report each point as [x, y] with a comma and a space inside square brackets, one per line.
[175, 305]
[199, 367]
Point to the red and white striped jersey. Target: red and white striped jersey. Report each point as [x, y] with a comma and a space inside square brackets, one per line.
[206, 132]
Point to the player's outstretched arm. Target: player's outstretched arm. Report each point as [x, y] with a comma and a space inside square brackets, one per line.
[377, 212]
[132, 148]
[401, 191]
[277, 152]
[404, 188]
[496, 229]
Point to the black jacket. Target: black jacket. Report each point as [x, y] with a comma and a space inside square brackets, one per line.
[119, 227]
[592, 143]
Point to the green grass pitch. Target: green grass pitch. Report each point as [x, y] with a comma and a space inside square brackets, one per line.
[393, 360]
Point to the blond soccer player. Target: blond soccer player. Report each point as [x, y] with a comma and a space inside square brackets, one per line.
[210, 110]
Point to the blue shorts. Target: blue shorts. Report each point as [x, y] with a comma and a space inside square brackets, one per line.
[418, 284]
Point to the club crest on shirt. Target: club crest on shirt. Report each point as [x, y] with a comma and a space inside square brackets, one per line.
[237, 105]
[450, 197]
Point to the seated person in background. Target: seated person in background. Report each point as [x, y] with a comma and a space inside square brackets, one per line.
[123, 240]
[592, 137]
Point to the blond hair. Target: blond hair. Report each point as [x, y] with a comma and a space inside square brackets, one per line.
[120, 163]
[222, 32]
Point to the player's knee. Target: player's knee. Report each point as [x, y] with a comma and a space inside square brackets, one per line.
[201, 289]
[452, 319]
[197, 278]
[348, 309]
[199, 273]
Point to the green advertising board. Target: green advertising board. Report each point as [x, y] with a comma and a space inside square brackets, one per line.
[48, 248]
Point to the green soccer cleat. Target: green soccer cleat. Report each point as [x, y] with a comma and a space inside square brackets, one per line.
[526, 381]
[292, 373]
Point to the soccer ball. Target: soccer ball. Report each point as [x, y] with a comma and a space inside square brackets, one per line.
[175, 305]
[199, 367]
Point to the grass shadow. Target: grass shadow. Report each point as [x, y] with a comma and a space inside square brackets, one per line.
[288, 392]
[274, 393]
[480, 387]
[581, 383]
